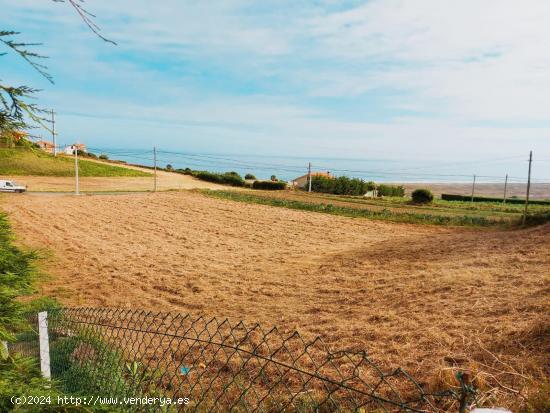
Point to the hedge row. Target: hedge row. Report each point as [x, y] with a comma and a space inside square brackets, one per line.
[391, 190]
[227, 178]
[269, 185]
[452, 197]
[341, 185]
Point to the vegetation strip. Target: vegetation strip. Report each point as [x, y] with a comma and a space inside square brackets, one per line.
[410, 217]
[22, 160]
[19, 376]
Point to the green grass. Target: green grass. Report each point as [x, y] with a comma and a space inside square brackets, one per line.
[486, 209]
[385, 214]
[395, 210]
[23, 161]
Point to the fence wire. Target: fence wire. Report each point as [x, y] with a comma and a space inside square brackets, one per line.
[221, 366]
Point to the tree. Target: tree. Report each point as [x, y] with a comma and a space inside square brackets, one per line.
[16, 110]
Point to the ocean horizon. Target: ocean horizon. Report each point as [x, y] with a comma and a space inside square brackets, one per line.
[290, 167]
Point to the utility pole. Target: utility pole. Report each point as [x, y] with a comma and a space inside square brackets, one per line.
[53, 134]
[77, 189]
[155, 161]
[505, 186]
[309, 176]
[473, 188]
[528, 188]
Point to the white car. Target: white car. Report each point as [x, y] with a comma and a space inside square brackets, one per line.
[11, 186]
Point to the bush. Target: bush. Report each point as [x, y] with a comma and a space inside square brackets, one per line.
[339, 186]
[370, 186]
[391, 190]
[186, 171]
[249, 176]
[228, 178]
[422, 196]
[269, 185]
[104, 157]
[169, 167]
[273, 178]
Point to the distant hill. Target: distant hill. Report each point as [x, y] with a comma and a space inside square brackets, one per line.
[31, 161]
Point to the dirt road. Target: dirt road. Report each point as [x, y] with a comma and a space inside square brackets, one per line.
[412, 295]
[165, 181]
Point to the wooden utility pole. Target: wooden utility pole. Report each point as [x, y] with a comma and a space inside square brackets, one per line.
[309, 176]
[473, 188]
[53, 134]
[528, 188]
[505, 187]
[155, 161]
[77, 188]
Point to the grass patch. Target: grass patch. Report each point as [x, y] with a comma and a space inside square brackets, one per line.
[19, 376]
[487, 209]
[25, 161]
[384, 214]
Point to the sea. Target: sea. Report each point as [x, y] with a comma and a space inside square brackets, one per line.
[378, 170]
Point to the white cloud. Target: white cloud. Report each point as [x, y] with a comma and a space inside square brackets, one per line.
[458, 65]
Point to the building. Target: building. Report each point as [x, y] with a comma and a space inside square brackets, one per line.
[301, 181]
[46, 146]
[69, 149]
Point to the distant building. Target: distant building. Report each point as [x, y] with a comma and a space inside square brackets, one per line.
[372, 194]
[301, 181]
[46, 146]
[69, 149]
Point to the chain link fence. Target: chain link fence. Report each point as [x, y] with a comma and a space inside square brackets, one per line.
[221, 366]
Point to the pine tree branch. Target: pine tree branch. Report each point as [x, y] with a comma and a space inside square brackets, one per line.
[87, 17]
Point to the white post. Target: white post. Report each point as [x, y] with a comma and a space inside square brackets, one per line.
[77, 189]
[44, 344]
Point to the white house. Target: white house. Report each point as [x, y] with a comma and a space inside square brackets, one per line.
[69, 149]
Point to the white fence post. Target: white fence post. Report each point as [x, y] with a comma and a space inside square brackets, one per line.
[44, 344]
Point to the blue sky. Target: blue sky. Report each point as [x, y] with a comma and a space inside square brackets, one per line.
[425, 79]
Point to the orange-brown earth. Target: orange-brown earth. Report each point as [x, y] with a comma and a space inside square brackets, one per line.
[417, 296]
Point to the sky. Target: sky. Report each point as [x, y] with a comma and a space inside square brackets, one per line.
[431, 80]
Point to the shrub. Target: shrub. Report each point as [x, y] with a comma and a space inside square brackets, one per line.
[391, 190]
[422, 196]
[228, 178]
[273, 178]
[339, 186]
[249, 176]
[269, 185]
[186, 171]
[233, 179]
[169, 167]
[104, 157]
[370, 186]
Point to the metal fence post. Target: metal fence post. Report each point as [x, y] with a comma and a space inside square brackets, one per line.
[44, 344]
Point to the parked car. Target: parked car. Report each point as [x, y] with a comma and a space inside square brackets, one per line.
[11, 186]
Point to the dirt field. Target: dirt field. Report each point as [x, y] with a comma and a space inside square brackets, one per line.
[415, 296]
[165, 181]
